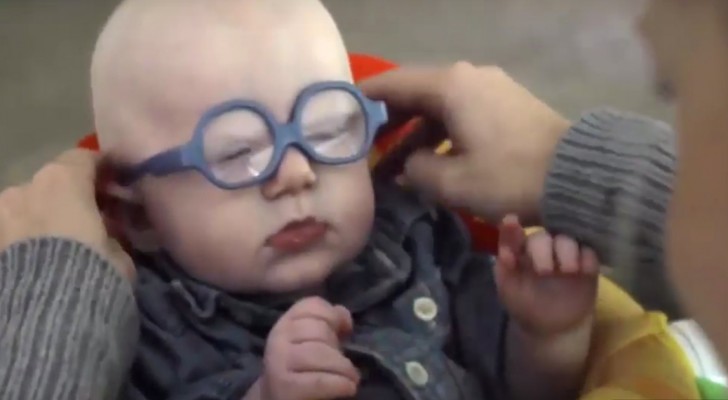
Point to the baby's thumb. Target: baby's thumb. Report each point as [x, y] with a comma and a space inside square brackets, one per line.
[434, 174]
[511, 240]
[511, 234]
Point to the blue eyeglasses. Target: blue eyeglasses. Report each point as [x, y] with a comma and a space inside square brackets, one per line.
[238, 143]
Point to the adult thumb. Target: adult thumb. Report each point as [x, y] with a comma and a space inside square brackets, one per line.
[437, 176]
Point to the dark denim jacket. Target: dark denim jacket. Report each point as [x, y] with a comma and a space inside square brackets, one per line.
[427, 321]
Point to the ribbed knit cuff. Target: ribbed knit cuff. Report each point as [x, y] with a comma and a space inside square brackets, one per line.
[69, 322]
[610, 184]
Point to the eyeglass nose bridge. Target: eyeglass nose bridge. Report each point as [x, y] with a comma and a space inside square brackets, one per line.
[288, 136]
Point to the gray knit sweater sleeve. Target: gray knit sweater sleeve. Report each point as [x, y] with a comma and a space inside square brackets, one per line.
[68, 323]
[609, 186]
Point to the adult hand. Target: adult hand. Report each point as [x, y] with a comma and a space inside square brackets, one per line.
[503, 136]
[60, 201]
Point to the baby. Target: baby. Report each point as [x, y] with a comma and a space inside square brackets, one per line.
[282, 272]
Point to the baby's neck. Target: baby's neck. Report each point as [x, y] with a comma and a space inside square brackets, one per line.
[275, 300]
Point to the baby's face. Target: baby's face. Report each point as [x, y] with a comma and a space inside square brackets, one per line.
[286, 234]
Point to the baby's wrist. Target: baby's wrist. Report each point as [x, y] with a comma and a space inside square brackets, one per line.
[555, 362]
[551, 341]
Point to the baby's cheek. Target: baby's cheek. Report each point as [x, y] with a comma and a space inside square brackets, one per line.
[221, 254]
[358, 222]
[351, 204]
[212, 240]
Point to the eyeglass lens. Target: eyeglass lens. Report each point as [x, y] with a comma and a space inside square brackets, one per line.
[239, 145]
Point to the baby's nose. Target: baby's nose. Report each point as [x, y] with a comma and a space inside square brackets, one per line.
[294, 175]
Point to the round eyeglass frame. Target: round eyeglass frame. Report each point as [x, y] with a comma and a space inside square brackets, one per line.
[191, 155]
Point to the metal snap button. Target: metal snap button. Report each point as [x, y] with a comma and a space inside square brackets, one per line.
[425, 308]
[417, 373]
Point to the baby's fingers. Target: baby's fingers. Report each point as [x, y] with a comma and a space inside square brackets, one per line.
[323, 386]
[567, 254]
[589, 261]
[322, 372]
[541, 253]
[319, 357]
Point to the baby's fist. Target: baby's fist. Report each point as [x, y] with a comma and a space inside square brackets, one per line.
[547, 284]
[303, 360]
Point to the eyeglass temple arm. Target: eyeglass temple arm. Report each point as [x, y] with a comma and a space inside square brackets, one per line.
[164, 163]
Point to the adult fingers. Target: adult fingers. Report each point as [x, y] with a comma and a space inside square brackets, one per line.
[79, 157]
[426, 134]
[120, 260]
[81, 161]
[74, 170]
[13, 216]
[411, 90]
[439, 177]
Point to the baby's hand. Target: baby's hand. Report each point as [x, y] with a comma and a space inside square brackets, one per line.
[547, 284]
[303, 360]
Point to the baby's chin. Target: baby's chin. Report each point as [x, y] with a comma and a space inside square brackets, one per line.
[305, 272]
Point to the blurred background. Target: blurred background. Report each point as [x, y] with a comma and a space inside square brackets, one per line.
[574, 54]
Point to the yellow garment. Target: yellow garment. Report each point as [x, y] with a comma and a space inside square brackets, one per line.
[634, 355]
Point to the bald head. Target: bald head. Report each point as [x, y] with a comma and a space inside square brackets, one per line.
[159, 64]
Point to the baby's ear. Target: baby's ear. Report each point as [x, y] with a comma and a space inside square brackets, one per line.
[125, 216]
[117, 192]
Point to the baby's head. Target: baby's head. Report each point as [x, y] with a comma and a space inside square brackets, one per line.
[160, 65]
